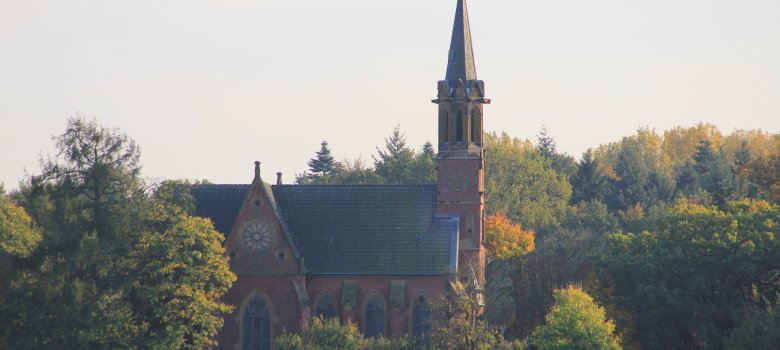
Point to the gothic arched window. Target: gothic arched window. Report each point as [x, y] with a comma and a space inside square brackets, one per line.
[445, 127]
[459, 128]
[421, 318]
[475, 129]
[375, 317]
[257, 324]
[326, 307]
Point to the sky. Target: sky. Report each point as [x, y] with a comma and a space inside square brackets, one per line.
[206, 87]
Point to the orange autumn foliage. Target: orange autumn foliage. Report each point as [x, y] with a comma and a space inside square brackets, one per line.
[506, 240]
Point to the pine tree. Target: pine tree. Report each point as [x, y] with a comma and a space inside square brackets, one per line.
[704, 156]
[323, 164]
[587, 183]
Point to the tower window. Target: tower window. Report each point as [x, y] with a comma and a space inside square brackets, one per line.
[475, 127]
[459, 128]
[445, 127]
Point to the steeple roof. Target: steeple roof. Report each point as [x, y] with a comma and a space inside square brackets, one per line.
[461, 55]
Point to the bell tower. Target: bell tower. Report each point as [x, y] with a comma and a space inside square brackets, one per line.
[460, 164]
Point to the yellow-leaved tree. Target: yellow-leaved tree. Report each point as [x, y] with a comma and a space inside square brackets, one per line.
[505, 239]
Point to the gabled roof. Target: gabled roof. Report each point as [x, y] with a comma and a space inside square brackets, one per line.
[220, 203]
[351, 230]
[460, 64]
[375, 230]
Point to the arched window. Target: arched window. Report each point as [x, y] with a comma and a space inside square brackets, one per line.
[475, 127]
[421, 318]
[459, 128]
[326, 307]
[375, 317]
[445, 127]
[257, 324]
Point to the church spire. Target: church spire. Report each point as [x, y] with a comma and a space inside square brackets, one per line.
[461, 55]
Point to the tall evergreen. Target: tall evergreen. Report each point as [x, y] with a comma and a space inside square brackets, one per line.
[323, 164]
[588, 184]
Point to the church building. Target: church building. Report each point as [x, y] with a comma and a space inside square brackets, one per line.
[374, 255]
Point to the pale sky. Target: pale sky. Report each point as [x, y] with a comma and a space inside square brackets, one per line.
[206, 87]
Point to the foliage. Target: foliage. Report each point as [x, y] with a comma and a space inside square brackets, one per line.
[575, 322]
[760, 329]
[323, 334]
[522, 184]
[506, 240]
[92, 283]
[688, 276]
[561, 162]
[562, 257]
[182, 270]
[458, 325]
[399, 164]
[19, 236]
[588, 183]
[323, 168]
[328, 334]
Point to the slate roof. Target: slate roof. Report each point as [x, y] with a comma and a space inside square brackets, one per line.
[352, 230]
[221, 203]
[375, 229]
[460, 63]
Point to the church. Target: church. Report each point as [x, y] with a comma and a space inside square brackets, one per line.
[373, 255]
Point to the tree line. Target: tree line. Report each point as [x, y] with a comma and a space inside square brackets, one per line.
[674, 235]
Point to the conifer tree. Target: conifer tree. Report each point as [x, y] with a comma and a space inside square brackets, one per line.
[323, 164]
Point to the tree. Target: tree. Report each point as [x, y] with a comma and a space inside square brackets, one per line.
[506, 240]
[588, 183]
[182, 274]
[324, 334]
[462, 328]
[393, 163]
[357, 173]
[399, 164]
[760, 329]
[19, 236]
[323, 168]
[92, 282]
[522, 184]
[561, 162]
[694, 270]
[323, 164]
[575, 322]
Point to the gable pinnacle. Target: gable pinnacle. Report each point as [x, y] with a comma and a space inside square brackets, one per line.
[460, 65]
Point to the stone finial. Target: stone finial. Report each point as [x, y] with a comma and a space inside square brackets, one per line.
[279, 178]
[257, 171]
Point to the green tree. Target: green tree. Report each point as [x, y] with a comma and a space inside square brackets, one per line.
[19, 237]
[90, 283]
[393, 163]
[462, 328]
[182, 273]
[522, 184]
[397, 163]
[760, 329]
[588, 183]
[575, 322]
[561, 162]
[357, 173]
[323, 168]
[694, 270]
[323, 334]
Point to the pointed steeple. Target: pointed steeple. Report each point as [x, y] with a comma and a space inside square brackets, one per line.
[461, 55]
